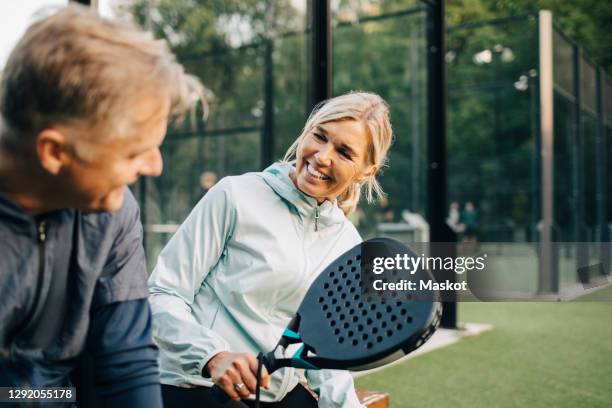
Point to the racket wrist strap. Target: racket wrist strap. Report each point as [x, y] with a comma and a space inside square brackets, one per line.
[260, 358]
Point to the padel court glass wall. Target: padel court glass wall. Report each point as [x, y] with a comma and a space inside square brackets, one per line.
[258, 104]
[255, 71]
[258, 96]
[496, 149]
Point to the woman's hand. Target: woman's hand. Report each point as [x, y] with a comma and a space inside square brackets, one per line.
[236, 373]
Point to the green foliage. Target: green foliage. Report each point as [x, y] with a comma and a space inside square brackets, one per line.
[588, 22]
[196, 26]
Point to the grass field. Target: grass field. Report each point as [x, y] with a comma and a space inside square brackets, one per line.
[537, 355]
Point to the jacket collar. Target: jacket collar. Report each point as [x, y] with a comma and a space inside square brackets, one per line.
[13, 213]
[277, 177]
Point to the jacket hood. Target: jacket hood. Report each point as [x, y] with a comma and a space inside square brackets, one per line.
[277, 177]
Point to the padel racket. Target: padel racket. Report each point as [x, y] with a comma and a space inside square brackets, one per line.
[336, 327]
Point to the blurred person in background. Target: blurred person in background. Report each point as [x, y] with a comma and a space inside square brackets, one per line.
[454, 217]
[469, 218]
[207, 180]
[84, 105]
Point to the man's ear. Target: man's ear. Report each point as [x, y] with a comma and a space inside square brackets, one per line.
[51, 147]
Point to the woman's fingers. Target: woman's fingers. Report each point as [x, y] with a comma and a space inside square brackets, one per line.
[225, 375]
[227, 382]
[243, 368]
[236, 374]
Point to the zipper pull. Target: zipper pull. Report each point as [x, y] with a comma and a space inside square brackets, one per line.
[316, 217]
[42, 231]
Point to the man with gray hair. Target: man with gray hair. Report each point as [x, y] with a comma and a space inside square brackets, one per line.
[84, 105]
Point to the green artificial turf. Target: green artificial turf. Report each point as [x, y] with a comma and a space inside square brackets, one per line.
[537, 355]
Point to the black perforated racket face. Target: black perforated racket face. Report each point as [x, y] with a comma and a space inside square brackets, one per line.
[345, 330]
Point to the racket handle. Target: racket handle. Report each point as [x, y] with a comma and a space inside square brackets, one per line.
[224, 399]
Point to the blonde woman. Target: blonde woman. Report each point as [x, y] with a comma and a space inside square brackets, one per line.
[233, 275]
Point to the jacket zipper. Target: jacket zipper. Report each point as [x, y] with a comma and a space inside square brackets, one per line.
[42, 237]
[42, 234]
[291, 372]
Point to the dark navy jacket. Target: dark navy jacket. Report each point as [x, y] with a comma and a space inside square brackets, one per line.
[75, 283]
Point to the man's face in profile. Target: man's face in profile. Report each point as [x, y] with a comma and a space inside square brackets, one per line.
[96, 181]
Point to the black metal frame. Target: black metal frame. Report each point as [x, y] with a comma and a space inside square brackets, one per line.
[578, 168]
[320, 52]
[437, 170]
[601, 172]
[267, 137]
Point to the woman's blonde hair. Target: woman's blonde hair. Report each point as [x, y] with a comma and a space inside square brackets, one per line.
[373, 112]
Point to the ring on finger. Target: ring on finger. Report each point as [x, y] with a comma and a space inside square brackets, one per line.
[238, 387]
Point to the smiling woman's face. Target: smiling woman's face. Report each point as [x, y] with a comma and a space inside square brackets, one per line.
[331, 156]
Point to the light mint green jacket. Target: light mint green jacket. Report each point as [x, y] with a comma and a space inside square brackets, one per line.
[234, 274]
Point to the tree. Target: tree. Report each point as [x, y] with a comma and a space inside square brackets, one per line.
[588, 22]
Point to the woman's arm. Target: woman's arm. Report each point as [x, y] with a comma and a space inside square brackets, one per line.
[187, 346]
[181, 268]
